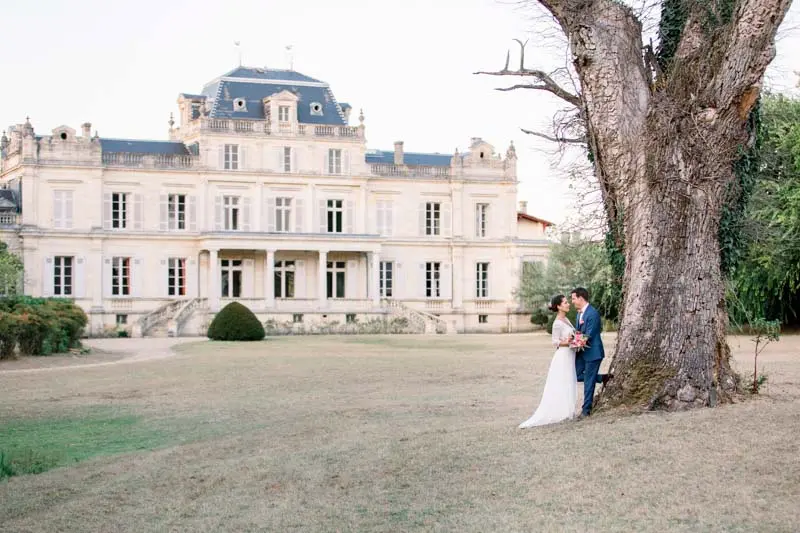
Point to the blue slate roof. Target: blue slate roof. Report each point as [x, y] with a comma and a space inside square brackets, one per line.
[193, 96]
[8, 195]
[143, 147]
[410, 158]
[269, 74]
[254, 84]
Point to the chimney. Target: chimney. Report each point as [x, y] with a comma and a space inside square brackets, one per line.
[523, 206]
[86, 127]
[346, 112]
[398, 153]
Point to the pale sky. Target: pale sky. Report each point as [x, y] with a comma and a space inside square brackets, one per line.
[409, 65]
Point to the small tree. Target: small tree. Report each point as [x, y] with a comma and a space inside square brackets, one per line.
[765, 331]
[235, 322]
[10, 272]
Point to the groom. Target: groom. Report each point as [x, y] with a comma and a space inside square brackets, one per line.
[588, 360]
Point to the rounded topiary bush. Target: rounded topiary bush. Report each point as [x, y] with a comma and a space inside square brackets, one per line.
[235, 322]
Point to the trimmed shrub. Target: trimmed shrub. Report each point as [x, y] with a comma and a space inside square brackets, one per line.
[39, 326]
[540, 317]
[235, 322]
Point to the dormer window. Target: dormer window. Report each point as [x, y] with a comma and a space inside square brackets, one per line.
[63, 135]
[316, 108]
[283, 113]
[481, 155]
[239, 104]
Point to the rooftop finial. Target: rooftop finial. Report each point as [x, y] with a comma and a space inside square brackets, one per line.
[290, 56]
[171, 120]
[361, 116]
[239, 50]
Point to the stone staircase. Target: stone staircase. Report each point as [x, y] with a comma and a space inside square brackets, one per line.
[168, 320]
[420, 321]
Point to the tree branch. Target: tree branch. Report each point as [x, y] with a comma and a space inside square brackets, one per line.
[565, 140]
[546, 82]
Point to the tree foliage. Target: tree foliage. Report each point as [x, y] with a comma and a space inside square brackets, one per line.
[766, 282]
[10, 272]
[572, 263]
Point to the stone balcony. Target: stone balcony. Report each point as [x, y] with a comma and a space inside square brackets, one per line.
[157, 161]
[264, 128]
[409, 171]
[10, 220]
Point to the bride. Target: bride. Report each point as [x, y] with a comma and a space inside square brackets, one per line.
[560, 389]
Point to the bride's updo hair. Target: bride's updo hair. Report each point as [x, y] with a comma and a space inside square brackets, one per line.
[557, 300]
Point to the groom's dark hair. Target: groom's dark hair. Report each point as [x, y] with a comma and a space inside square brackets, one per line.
[580, 292]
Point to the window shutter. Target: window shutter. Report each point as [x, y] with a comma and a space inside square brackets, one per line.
[191, 212]
[299, 279]
[349, 217]
[79, 277]
[222, 157]
[379, 217]
[107, 277]
[294, 160]
[246, 214]
[47, 277]
[388, 207]
[322, 213]
[299, 215]
[488, 220]
[58, 209]
[248, 275]
[446, 229]
[351, 279]
[422, 280]
[218, 225]
[445, 277]
[326, 168]
[163, 224]
[242, 157]
[137, 211]
[270, 214]
[137, 277]
[163, 285]
[191, 278]
[107, 210]
[346, 162]
[422, 218]
[68, 209]
[278, 159]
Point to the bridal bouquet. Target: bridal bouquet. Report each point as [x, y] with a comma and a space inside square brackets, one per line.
[579, 341]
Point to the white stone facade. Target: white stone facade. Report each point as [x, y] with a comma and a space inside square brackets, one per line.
[298, 221]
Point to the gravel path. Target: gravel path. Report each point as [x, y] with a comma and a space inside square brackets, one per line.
[133, 351]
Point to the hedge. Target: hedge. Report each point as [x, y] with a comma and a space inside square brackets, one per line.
[235, 322]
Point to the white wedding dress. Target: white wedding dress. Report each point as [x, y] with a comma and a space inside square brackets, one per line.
[560, 389]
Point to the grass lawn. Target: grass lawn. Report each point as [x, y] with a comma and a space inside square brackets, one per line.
[402, 433]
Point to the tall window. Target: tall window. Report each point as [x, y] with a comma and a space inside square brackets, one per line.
[283, 113]
[334, 161]
[433, 287]
[335, 216]
[119, 210]
[283, 214]
[482, 280]
[384, 218]
[336, 275]
[231, 157]
[176, 276]
[62, 276]
[287, 159]
[230, 278]
[284, 279]
[481, 219]
[433, 218]
[121, 276]
[176, 211]
[62, 209]
[386, 278]
[231, 213]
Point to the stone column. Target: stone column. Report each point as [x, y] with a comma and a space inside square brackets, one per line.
[321, 279]
[269, 279]
[458, 277]
[375, 280]
[213, 280]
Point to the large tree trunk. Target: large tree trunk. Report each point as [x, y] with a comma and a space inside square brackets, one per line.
[664, 152]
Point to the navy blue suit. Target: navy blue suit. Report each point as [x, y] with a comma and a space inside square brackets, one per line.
[588, 360]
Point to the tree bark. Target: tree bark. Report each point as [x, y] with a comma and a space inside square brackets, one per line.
[664, 153]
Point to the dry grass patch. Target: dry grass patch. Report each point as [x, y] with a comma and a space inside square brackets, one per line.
[405, 433]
